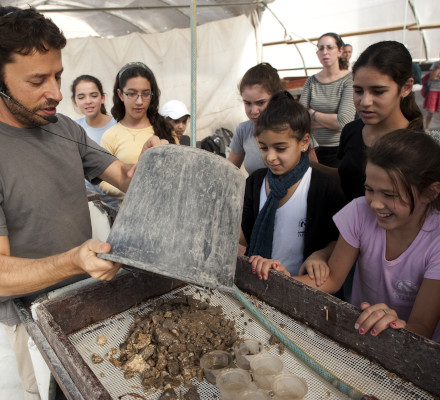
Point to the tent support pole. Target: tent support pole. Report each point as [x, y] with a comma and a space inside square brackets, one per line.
[287, 35]
[411, 27]
[193, 73]
[422, 35]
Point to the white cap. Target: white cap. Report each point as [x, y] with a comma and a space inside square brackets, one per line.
[174, 109]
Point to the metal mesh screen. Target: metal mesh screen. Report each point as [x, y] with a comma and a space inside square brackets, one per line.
[355, 370]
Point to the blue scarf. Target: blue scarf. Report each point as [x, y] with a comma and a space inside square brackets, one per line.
[262, 232]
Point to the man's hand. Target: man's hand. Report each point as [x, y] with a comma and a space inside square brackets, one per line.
[85, 257]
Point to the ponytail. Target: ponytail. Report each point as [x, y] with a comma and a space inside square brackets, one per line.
[412, 112]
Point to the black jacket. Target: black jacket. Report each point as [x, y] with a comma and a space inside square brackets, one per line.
[325, 198]
[351, 152]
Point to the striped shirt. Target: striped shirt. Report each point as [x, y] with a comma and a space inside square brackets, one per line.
[330, 98]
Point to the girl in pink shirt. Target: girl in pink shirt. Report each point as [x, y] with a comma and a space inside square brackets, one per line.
[394, 234]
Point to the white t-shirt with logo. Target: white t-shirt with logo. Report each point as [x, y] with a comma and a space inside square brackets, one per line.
[290, 225]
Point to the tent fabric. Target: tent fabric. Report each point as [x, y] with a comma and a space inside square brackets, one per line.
[109, 18]
[225, 50]
[297, 25]
[232, 36]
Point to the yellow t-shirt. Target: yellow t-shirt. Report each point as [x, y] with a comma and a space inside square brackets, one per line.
[126, 144]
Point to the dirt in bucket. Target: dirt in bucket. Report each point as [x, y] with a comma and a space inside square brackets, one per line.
[164, 347]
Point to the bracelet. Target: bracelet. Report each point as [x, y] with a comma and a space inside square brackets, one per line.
[312, 117]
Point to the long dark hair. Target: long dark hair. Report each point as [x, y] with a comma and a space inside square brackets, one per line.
[24, 31]
[340, 44]
[411, 157]
[394, 60]
[88, 78]
[132, 70]
[264, 75]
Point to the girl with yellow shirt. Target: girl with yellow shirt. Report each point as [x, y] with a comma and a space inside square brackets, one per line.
[136, 108]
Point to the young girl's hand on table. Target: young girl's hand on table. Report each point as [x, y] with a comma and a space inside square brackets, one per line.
[261, 266]
[376, 318]
[316, 268]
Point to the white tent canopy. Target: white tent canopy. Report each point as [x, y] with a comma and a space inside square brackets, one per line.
[290, 28]
[232, 35]
[225, 50]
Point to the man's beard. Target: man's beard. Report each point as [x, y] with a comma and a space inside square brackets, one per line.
[24, 117]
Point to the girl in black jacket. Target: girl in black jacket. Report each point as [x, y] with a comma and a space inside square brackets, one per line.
[288, 206]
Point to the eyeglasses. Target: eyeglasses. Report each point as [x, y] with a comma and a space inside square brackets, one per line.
[134, 96]
[328, 48]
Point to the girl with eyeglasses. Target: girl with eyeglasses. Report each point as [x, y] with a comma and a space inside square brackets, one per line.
[136, 108]
[328, 96]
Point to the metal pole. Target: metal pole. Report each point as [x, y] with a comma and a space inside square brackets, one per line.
[404, 23]
[193, 73]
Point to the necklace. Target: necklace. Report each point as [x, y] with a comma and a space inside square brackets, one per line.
[135, 131]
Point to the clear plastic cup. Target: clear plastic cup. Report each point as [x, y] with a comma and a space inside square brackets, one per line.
[245, 350]
[265, 367]
[232, 382]
[289, 387]
[254, 394]
[214, 362]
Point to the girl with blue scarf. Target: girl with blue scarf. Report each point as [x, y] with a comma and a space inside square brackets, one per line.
[288, 206]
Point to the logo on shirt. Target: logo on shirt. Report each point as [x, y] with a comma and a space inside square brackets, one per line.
[405, 290]
[302, 227]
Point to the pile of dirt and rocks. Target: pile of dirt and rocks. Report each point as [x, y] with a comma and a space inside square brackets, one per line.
[164, 347]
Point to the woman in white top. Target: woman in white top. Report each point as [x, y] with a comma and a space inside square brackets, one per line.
[89, 98]
[328, 95]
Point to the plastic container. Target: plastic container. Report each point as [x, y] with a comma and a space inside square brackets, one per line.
[253, 394]
[232, 382]
[289, 387]
[214, 362]
[245, 350]
[265, 367]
